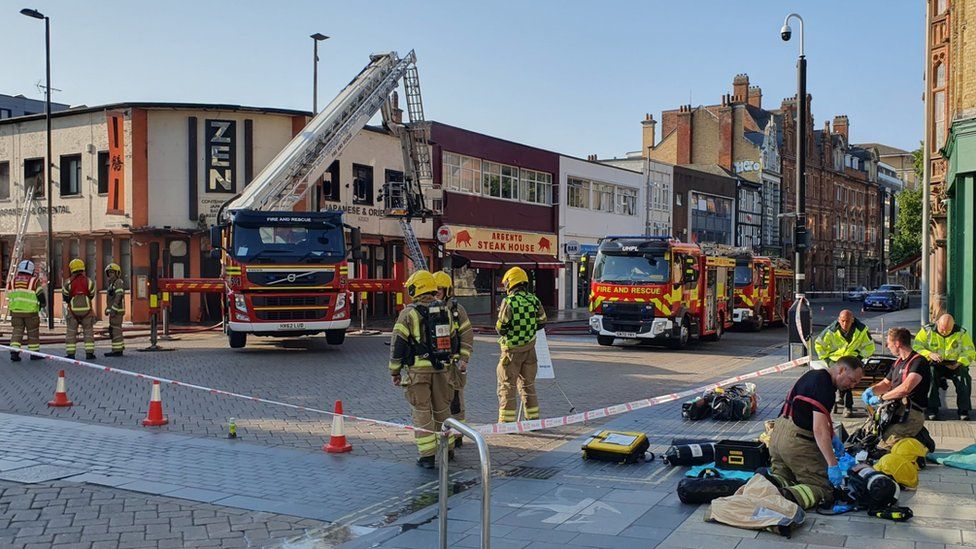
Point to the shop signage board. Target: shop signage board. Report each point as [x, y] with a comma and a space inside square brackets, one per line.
[500, 241]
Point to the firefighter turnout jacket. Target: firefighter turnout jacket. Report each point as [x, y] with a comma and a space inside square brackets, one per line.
[833, 343]
[415, 342]
[955, 347]
[521, 315]
[26, 294]
[79, 292]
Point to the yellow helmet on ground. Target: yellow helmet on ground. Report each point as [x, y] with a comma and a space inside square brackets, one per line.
[901, 468]
[113, 267]
[513, 277]
[76, 265]
[420, 283]
[443, 280]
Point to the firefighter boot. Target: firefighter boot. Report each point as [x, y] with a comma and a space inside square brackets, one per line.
[114, 353]
[14, 356]
[36, 357]
[427, 462]
[90, 356]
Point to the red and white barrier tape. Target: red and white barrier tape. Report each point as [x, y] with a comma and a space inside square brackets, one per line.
[536, 424]
[489, 429]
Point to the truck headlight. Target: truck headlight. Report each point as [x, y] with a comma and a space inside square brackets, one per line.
[595, 323]
[240, 303]
[340, 301]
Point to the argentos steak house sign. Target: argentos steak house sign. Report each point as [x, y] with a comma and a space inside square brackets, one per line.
[501, 241]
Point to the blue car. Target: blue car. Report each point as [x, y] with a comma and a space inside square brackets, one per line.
[884, 300]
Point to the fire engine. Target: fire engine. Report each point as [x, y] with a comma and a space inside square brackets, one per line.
[285, 271]
[656, 289]
[763, 290]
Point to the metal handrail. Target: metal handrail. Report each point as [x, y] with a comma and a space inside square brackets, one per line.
[485, 460]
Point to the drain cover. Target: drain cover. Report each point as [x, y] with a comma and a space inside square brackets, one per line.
[539, 473]
[40, 473]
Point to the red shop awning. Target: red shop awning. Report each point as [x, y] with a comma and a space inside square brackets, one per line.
[544, 261]
[480, 260]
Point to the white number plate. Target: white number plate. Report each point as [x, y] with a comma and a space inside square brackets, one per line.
[291, 326]
[627, 334]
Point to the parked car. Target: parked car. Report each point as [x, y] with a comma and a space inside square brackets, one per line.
[886, 300]
[855, 293]
[899, 290]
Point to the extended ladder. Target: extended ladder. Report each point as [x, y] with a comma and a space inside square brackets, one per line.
[18, 251]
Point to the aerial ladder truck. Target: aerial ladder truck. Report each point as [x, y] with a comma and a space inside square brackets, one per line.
[285, 270]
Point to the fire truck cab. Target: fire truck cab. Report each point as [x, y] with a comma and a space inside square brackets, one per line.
[763, 291]
[659, 290]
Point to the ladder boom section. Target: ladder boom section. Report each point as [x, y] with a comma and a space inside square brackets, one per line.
[289, 176]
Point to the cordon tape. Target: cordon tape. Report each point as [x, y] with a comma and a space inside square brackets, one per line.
[489, 429]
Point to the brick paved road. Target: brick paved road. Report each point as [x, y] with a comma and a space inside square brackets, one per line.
[312, 373]
[64, 514]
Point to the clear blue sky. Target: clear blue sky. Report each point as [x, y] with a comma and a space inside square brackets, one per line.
[575, 77]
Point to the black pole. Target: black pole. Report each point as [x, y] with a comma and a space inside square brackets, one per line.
[315, 77]
[47, 179]
[800, 238]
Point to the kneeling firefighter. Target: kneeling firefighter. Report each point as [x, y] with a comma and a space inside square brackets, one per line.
[803, 448]
[462, 343]
[420, 362]
[908, 383]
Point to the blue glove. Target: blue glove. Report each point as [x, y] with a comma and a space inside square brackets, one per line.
[875, 401]
[838, 447]
[835, 475]
[867, 395]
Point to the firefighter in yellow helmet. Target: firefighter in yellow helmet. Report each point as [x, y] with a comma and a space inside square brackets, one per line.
[462, 343]
[420, 362]
[116, 307]
[79, 292]
[520, 316]
[26, 298]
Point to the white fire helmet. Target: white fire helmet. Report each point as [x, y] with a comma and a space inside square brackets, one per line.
[26, 266]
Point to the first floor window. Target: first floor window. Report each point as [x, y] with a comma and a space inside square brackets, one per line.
[4, 180]
[603, 197]
[626, 201]
[34, 175]
[71, 175]
[362, 184]
[578, 195]
[103, 172]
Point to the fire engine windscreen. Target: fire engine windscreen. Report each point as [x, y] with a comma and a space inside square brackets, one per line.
[277, 243]
[636, 268]
[743, 275]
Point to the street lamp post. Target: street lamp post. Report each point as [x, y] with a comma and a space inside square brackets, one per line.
[800, 241]
[316, 38]
[47, 164]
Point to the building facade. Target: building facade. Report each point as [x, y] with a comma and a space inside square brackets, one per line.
[18, 105]
[500, 210]
[659, 178]
[704, 205]
[597, 200]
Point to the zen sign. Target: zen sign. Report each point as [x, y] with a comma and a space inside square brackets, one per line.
[221, 156]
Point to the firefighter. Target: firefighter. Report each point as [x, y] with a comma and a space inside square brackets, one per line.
[519, 318]
[847, 336]
[79, 292]
[949, 349]
[116, 307]
[420, 360]
[462, 343]
[908, 381]
[25, 299]
[803, 448]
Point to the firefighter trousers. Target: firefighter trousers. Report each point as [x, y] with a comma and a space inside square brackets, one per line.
[516, 373]
[115, 330]
[25, 323]
[459, 380]
[797, 464]
[908, 428]
[429, 394]
[87, 325]
[960, 379]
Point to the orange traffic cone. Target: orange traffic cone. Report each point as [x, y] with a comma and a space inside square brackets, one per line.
[338, 443]
[60, 393]
[155, 417]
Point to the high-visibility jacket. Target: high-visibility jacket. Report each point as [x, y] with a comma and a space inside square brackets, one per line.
[411, 338]
[79, 304]
[464, 333]
[116, 297]
[521, 315]
[833, 343]
[955, 347]
[25, 295]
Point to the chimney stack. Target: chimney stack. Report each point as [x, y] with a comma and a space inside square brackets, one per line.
[740, 89]
[648, 129]
[591, 157]
[755, 96]
[842, 126]
[684, 137]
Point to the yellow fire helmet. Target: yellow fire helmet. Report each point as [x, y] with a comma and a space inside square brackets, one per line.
[76, 265]
[513, 277]
[420, 283]
[901, 468]
[443, 280]
[113, 267]
[910, 448]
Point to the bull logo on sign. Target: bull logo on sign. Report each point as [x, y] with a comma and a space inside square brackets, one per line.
[464, 237]
[545, 245]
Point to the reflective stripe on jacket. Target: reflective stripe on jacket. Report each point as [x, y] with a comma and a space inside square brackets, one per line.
[23, 295]
[955, 347]
[832, 345]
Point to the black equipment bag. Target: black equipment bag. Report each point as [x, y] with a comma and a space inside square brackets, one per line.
[704, 490]
[699, 408]
[741, 455]
[616, 447]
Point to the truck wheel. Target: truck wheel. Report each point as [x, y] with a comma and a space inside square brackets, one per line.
[606, 341]
[684, 334]
[236, 339]
[335, 337]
